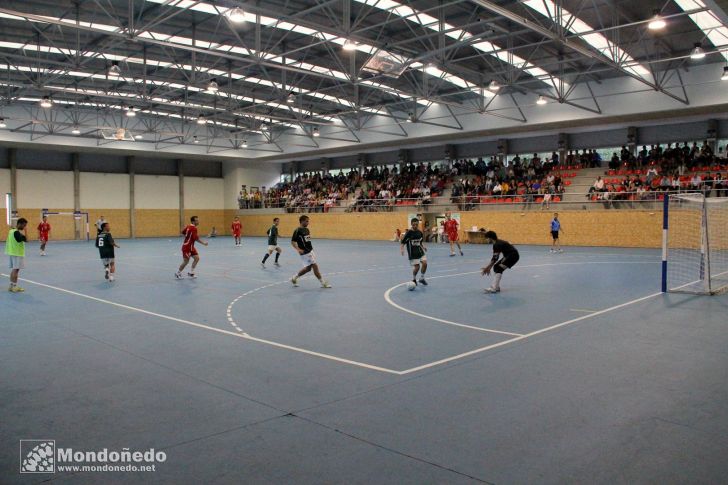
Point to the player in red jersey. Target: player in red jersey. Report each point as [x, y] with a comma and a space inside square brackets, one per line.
[44, 231]
[451, 229]
[236, 227]
[188, 248]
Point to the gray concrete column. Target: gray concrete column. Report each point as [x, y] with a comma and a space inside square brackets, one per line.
[75, 164]
[13, 160]
[632, 140]
[563, 147]
[130, 165]
[181, 176]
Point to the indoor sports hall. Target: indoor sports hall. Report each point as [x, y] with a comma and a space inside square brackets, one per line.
[363, 241]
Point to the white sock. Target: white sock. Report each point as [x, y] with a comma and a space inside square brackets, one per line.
[496, 283]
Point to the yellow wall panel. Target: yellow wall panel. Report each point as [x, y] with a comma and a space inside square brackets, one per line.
[631, 228]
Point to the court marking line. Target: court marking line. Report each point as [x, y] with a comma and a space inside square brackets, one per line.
[585, 310]
[246, 336]
[240, 334]
[528, 335]
[389, 300]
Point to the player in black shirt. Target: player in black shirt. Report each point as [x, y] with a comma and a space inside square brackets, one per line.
[413, 239]
[273, 242]
[106, 244]
[510, 257]
[301, 242]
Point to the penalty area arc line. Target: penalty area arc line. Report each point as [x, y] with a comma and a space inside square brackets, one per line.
[214, 329]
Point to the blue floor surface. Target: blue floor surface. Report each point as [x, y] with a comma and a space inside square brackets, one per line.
[578, 371]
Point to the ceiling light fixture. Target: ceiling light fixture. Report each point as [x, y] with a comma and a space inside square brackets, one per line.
[114, 70]
[2, 123]
[245, 144]
[349, 45]
[493, 86]
[698, 53]
[236, 15]
[724, 77]
[657, 22]
[195, 140]
[201, 120]
[541, 100]
[316, 132]
[212, 87]
[76, 131]
[138, 137]
[130, 112]
[291, 98]
[46, 102]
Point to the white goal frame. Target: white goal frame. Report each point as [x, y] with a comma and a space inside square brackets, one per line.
[77, 215]
[700, 261]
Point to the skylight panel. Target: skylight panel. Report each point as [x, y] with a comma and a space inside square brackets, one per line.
[708, 22]
[575, 25]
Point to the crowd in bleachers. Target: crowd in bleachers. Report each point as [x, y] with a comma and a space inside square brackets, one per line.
[651, 172]
[640, 176]
[377, 188]
[520, 181]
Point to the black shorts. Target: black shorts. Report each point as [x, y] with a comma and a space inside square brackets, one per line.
[555, 234]
[506, 263]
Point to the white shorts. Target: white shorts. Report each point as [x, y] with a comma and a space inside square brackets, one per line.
[274, 248]
[414, 262]
[308, 259]
[17, 262]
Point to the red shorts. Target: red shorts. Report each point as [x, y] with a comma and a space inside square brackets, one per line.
[236, 234]
[188, 252]
[452, 236]
[43, 238]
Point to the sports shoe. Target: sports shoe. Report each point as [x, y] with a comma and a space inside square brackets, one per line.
[277, 264]
[111, 278]
[178, 275]
[561, 250]
[16, 289]
[551, 250]
[452, 254]
[191, 275]
[461, 253]
[492, 290]
[262, 265]
[42, 253]
[325, 284]
[106, 274]
[294, 281]
[423, 281]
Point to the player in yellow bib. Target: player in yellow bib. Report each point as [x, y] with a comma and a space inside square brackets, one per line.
[15, 248]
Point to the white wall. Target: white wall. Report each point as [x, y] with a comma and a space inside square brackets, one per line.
[204, 193]
[39, 189]
[259, 174]
[104, 191]
[4, 185]
[156, 192]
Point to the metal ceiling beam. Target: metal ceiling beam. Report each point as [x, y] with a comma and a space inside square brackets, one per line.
[584, 51]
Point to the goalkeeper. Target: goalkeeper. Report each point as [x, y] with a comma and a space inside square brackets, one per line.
[498, 264]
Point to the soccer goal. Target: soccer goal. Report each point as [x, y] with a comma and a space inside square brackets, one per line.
[695, 244]
[77, 215]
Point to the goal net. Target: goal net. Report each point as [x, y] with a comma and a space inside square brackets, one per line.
[695, 244]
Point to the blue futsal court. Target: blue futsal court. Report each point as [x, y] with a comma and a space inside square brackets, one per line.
[580, 371]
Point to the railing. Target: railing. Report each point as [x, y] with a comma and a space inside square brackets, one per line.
[646, 200]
